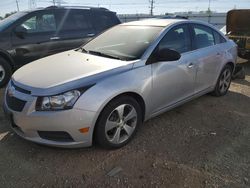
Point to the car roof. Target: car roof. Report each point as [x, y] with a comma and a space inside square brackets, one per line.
[68, 7]
[155, 22]
[77, 7]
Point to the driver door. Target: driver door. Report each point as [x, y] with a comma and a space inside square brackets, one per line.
[173, 81]
[35, 43]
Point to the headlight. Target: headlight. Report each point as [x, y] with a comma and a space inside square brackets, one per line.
[62, 101]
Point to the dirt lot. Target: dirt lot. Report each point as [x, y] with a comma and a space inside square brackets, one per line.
[204, 143]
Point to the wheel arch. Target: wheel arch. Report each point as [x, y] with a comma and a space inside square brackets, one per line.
[134, 95]
[231, 64]
[137, 97]
[8, 58]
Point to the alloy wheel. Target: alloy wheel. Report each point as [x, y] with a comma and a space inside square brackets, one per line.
[121, 124]
[2, 73]
[225, 80]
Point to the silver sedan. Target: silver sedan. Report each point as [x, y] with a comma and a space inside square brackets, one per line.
[107, 88]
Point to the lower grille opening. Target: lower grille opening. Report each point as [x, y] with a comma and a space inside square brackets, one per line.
[58, 136]
[15, 103]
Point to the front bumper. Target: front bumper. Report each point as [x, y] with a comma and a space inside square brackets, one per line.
[29, 123]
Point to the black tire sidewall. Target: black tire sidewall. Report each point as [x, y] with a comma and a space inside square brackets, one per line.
[7, 68]
[245, 56]
[100, 135]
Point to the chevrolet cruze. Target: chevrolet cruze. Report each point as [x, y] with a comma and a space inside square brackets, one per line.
[104, 91]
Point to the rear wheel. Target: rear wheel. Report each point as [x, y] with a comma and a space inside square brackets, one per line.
[118, 122]
[223, 82]
[5, 72]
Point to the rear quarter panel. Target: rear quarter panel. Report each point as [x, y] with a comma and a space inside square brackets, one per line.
[229, 55]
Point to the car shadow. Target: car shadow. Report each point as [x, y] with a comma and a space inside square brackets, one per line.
[209, 135]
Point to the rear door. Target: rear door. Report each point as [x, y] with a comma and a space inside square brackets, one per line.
[35, 43]
[74, 29]
[209, 57]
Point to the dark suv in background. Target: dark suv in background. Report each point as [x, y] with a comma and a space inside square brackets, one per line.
[30, 35]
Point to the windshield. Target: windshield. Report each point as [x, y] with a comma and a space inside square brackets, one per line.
[11, 19]
[123, 42]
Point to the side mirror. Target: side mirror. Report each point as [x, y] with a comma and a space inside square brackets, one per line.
[20, 31]
[166, 54]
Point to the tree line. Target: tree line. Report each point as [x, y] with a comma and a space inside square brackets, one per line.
[7, 15]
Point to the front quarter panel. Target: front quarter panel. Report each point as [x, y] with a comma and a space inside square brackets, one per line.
[137, 80]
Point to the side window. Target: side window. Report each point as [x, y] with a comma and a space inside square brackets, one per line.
[177, 39]
[104, 21]
[203, 36]
[30, 24]
[40, 23]
[222, 39]
[75, 21]
[218, 38]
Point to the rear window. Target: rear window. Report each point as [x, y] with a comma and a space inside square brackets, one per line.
[75, 21]
[104, 20]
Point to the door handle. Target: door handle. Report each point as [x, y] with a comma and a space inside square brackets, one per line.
[190, 65]
[54, 38]
[90, 34]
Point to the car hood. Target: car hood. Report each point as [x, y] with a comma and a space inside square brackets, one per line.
[66, 70]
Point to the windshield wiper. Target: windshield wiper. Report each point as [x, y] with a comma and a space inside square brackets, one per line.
[83, 50]
[99, 53]
[104, 54]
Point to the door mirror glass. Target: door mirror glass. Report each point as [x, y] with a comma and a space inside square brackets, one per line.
[21, 31]
[166, 54]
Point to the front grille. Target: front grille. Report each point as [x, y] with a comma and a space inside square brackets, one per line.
[20, 89]
[15, 103]
[58, 136]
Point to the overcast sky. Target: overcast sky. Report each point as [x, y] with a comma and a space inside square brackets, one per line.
[135, 6]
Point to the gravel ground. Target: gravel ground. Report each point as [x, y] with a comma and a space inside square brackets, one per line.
[204, 143]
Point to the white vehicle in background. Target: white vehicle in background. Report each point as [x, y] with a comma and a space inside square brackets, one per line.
[224, 30]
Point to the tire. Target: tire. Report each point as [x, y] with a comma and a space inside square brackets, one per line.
[223, 82]
[244, 56]
[111, 130]
[5, 72]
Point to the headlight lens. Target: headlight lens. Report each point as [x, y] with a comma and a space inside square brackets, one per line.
[58, 102]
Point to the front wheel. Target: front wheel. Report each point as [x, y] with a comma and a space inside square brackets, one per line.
[5, 72]
[118, 122]
[223, 82]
